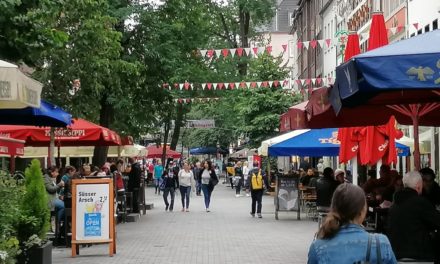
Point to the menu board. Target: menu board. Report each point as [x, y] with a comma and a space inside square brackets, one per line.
[287, 194]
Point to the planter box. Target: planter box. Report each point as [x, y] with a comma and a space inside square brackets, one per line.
[41, 255]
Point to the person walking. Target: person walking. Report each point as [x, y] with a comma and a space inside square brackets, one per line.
[170, 183]
[256, 185]
[245, 178]
[157, 174]
[186, 181]
[342, 238]
[196, 173]
[238, 179]
[207, 175]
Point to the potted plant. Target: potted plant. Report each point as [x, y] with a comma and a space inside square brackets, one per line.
[34, 220]
[11, 191]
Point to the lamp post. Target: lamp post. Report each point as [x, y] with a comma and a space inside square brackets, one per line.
[218, 149]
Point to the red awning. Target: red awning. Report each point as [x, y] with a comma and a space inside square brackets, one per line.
[156, 152]
[80, 133]
[11, 146]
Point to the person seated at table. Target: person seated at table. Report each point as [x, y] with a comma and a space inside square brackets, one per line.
[325, 187]
[431, 189]
[340, 176]
[385, 176]
[395, 186]
[371, 182]
[342, 238]
[412, 222]
[305, 180]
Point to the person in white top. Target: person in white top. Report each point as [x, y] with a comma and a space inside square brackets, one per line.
[246, 175]
[186, 181]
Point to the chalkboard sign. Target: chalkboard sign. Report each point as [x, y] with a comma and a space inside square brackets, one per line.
[287, 198]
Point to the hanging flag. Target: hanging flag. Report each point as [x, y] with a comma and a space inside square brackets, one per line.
[210, 53]
[231, 86]
[220, 86]
[215, 86]
[248, 51]
[203, 86]
[180, 100]
[232, 51]
[240, 52]
[416, 25]
[298, 81]
[188, 100]
[261, 50]
[176, 85]
[276, 83]
[181, 86]
[400, 28]
[302, 81]
[299, 45]
[255, 49]
[187, 85]
[259, 84]
[218, 52]
[253, 84]
[270, 84]
[286, 83]
[243, 85]
[248, 85]
[308, 81]
[237, 85]
[165, 85]
[313, 43]
[313, 81]
[209, 86]
[318, 81]
[225, 52]
[328, 42]
[330, 80]
[284, 47]
[203, 52]
[321, 43]
[306, 44]
[393, 30]
[264, 84]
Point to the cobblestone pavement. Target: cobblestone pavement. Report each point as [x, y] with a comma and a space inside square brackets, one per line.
[227, 234]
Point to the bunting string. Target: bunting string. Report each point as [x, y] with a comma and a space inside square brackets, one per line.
[195, 100]
[322, 43]
[282, 84]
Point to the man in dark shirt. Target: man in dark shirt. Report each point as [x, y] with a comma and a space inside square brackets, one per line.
[431, 189]
[134, 183]
[413, 221]
[325, 187]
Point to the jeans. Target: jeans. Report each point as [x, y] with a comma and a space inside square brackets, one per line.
[59, 209]
[238, 186]
[171, 191]
[257, 196]
[184, 193]
[198, 187]
[207, 194]
[156, 185]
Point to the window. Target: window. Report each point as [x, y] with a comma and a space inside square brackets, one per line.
[435, 24]
[420, 31]
[412, 35]
[426, 28]
[292, 48]
[290, 14]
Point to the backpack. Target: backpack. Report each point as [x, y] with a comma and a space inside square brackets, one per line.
[257, 181]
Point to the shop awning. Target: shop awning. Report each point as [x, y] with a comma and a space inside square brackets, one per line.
[11, 146]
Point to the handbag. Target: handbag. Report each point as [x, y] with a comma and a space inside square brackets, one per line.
[378, 253]
[213, 181]
[162, 184]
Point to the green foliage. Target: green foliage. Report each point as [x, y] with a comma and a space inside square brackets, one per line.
[10, 191]
[35, 213]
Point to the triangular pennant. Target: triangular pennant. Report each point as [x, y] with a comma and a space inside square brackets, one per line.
[416, 25]
[225, 52]
[209, 86]
[264, 84]
[364, 35]
[318, 81]
[298, 82]
[218, 52]
[313, 43]
[261, 50]
[258, 84]
[240, 52]
[302, 81]
[330, 80]
[208, 99]
[313, 81]
[203, 86]
[165, 85]
[306, 44]
[243, 85]
[232, 86]
[210, 53]
[237, 85]
[328, 42]
[253, 85]
[226, 85]
[270, 83]
[181, 86]
[286, 83]
[203, 52]
[299, 45]
[188, 100]
[176, 100]
[180, 100]
[400, 28]
[248, 85]
[269, 49]
[187, 85]
[215, 86]
[247, 51]
[321, 43]
[176, 85]
[220, 86]
[308, 81]
[393, 30]
[284, 47]
[276, 83]
[255, 49]
[232, 51]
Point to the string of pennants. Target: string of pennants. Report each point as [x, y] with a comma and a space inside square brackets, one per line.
[255, 51]
[284, 84]
[195, 100]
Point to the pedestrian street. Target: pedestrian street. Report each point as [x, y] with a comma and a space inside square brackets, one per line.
[227, 234]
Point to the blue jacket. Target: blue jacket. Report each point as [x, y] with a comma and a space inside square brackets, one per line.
[349, 246]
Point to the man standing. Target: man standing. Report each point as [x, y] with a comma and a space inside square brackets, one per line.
[197, 178]
[134, 183]
[256, 183]
[412, 222]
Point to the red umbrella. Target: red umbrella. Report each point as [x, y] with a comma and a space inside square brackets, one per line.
[156, 152]
[352, 47]
[378, 32]
[80, 133]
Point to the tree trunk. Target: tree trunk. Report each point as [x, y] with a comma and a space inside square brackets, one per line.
[105, 116]
[167, 124]
[177, 125]
[244, 18]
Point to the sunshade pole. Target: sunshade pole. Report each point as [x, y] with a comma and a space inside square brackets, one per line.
[415, 120]
[51, 147]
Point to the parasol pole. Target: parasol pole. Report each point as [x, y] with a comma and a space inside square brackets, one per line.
[52, 147]
[415, 119]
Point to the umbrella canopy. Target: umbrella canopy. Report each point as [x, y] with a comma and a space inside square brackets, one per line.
[156, 152]
[11, 146]
[46, 115]
[80, 133]
[352, 48]
[263, 149]
[378, 32]
[207, 150]
[294, 118]
[16, 89]
[315, 143]
[244, 153]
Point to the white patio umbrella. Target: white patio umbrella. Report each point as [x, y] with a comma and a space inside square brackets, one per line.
[16, 89]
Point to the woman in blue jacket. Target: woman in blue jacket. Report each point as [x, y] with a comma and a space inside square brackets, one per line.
[342, 239]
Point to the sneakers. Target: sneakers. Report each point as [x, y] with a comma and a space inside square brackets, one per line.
[183, 210]
[247, 195]
[207, 210]
[237, 195]
[166, 207]
[260, 216]
[187, 210]
[253, 215]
